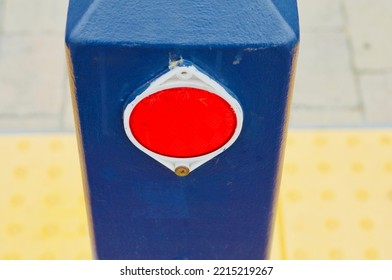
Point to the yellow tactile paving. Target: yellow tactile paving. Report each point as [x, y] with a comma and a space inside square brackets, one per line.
[278, 250]
[335, 201]
[42, 213]
[337, 195]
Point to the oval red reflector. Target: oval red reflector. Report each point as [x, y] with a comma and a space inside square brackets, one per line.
[183, 122]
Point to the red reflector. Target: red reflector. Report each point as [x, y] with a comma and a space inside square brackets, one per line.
[183, 122]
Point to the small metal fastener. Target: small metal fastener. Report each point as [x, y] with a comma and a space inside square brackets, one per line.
[182, 171]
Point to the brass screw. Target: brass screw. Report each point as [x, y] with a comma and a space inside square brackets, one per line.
[182, 171]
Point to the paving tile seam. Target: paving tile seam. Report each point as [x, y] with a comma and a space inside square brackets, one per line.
[65, 99]
[361, 107]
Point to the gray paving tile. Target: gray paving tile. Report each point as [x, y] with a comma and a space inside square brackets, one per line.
[32, 70]
[376, 90]
[32, 124]
[37, 16]
[370, 27]
[320, 14]
[33, 96]
[325, 118]
[324, 73]
[1, 16]
[68, 117]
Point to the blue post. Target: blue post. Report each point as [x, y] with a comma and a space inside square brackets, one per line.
[142, 207]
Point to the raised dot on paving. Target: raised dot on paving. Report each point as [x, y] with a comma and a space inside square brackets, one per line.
[335, 254]
[366, 224]
[389, 194]
[54, 172]
[357, 167]
[320, 141]
[294, 195]
[388, 167]
[327, 195]
[23, 145]
[49, 230]
[361, 195]
[56, 145]
[371, 254]
[385, 140]
[332, 224]
[352, 141]
[17, 200]
[324, 167]
[20, 172]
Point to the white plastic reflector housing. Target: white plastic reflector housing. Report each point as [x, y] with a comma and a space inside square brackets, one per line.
[183, 119]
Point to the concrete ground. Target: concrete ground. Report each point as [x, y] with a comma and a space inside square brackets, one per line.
[344, 76]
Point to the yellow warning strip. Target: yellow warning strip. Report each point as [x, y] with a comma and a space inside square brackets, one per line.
[281, 230]
[335, 200]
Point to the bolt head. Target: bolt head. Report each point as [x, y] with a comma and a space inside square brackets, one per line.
[182, 171]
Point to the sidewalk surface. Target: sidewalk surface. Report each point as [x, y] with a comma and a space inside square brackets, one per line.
[344, 75]
[329, 207]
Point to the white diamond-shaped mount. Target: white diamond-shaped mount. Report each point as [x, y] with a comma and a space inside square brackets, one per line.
[184, 76]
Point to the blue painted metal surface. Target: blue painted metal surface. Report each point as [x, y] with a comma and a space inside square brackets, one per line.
[139, 208]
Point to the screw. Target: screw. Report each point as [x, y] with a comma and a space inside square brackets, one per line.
[182, 171]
